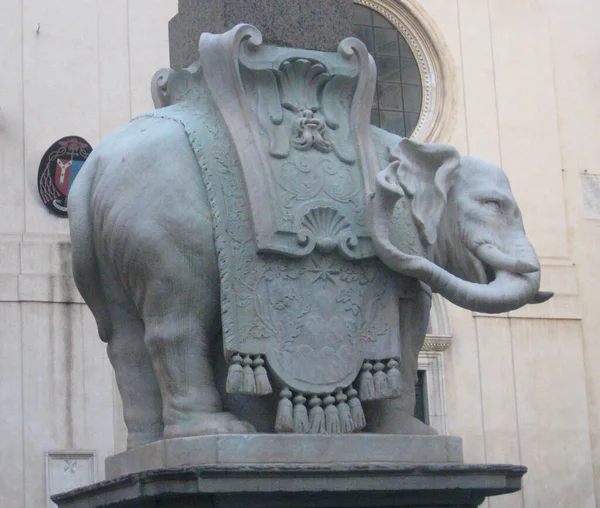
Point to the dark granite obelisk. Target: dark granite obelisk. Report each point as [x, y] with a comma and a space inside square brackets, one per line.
[309, 24]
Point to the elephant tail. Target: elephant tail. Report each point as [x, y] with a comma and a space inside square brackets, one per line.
[85, 263]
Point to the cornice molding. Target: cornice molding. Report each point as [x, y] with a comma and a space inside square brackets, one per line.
[437, 342]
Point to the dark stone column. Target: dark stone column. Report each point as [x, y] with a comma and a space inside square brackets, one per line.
[309, 24]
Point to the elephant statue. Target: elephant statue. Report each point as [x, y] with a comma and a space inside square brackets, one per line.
[149, 239]
[147, 266]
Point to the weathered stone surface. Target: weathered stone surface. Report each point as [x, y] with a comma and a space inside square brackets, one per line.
[286, 448]
[302, 486]
[264, 186]
[305, 24]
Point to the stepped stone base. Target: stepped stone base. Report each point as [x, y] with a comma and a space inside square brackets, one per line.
[296, 471]
[302, 486]
[285, 449]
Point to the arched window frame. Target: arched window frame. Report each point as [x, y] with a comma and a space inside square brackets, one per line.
[438, 76]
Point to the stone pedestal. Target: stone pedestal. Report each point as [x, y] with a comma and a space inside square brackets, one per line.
[296, 471]
[300, 449]
[302, 486]
[308, 24]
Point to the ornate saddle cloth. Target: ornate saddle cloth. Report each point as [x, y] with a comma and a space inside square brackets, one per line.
[287, 177]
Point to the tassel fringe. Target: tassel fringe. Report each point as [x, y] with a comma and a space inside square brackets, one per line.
[248, 375]
[333, 413]
[316, 416]
[301, 423]
[356, 410]
[366, 386]
[284, 422]
[249, 381]
[235, 376]
[332, 417]
[261, 378]
[346, 422]
[394, 380]
[380, 381]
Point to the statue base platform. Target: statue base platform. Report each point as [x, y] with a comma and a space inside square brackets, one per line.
[286, 449]
[296, 471]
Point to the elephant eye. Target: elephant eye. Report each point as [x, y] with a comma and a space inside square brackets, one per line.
[494, 203]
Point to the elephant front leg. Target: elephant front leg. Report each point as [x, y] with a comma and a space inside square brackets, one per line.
[181, 356]
[396, 416]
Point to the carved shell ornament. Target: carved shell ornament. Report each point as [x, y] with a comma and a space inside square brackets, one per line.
[328, 230]
[300, 83]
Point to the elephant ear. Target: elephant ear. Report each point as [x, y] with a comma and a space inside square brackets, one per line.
[426, 173]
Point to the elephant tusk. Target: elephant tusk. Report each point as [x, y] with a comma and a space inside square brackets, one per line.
[542, 296]
[498, 260]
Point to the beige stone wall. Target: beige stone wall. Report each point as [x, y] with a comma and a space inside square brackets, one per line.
[82, 68]
[521, 387]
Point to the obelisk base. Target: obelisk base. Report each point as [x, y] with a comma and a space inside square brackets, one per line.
[302, 486]
[296, 471]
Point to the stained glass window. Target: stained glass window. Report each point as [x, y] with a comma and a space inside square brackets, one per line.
[397, 103]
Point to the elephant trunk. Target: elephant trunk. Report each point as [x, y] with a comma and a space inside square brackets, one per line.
[515, 283]
[508, 290]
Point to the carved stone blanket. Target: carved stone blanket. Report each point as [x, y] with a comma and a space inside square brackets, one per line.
[315, 306]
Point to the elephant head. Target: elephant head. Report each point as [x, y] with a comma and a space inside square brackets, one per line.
[453, 223]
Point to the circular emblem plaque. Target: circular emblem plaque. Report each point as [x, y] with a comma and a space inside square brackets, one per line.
[58, 168]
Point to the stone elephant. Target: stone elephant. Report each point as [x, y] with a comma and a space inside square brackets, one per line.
[465, 240]
[144, 260]
[260, 178]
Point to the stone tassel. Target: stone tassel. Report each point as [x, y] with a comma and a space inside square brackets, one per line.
[356, 410]
[249, 382]
[332, 417]
[394, 380]
[301, 423]
[366, 387]
[261, 378]
[380, 381]
[346, 423]
[235, 375]
[316, 416]
[284, 422]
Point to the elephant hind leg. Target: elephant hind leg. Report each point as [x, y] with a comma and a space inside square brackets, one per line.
[142, 405]
[176, 289]
[183, 363]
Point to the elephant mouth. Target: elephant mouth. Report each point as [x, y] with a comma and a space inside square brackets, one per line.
[490, 259]
[482, 272]
[491, 265]
[489, 272]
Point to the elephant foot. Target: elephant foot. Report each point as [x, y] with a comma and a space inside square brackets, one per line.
[208, 423]
[135, 439]
[402, 423]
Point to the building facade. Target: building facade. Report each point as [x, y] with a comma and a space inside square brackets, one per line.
[511, 81]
